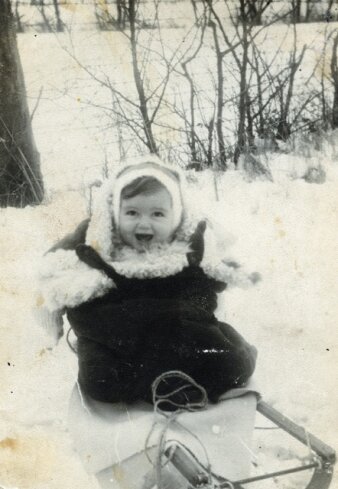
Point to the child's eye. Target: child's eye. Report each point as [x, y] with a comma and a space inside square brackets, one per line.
[158, 214]
[131, 213]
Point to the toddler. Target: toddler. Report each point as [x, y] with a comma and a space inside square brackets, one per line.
[138, 282]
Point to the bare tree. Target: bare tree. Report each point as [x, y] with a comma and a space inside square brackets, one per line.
[121, 14]
[332, 13]
[195, 161]
[308, 10]
[334, 75]
[136, 106]
[286, 89]
[106, 19]
[102, 14]
[139, 82]
[59, 23]
[220, 54]
[40, 5]
[243, 88]
[199, 156]
[254, 10]
[245, 93]
[296, 11]
[239, 47]
[195, 108]
[20, 177]
[18, 17]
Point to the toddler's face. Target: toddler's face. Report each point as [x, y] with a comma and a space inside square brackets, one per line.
[146, 219]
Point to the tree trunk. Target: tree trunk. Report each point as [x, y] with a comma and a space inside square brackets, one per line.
[46, 23]
[249, 129]
[20, 177]
[284, 126]
[18, 17]
[328, 14]
[242, 105]
[296, 11]
[261, 118]
[220, 100]
[147, 123]
[335, 108]
[334, 74]
[121, 14]
[59, 23]
[192, 132]
[308, 11]
[254, 14]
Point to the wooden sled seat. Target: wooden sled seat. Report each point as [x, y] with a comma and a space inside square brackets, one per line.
[111, 438]
[210, 447]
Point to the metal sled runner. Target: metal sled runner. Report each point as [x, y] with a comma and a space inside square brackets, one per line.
[324, 458]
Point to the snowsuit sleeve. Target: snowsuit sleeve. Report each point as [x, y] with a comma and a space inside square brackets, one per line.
[229, 360]
[52, 321]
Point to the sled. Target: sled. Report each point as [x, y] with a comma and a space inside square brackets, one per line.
[110, 440]
[321, 466]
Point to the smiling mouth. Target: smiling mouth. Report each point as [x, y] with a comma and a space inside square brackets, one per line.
[143, 238]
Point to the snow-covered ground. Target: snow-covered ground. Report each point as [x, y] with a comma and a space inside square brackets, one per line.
[285, 230]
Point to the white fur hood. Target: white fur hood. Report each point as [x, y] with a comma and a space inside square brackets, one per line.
[65, 281]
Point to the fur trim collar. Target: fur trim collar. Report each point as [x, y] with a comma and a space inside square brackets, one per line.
[67, 282]
[160, 261]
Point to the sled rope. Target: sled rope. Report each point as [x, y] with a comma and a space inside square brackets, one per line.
[169, 418]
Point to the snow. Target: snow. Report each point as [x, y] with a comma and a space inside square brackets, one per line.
[286, 230]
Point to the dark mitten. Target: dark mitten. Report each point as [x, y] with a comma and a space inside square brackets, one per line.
[195, 256]
[91, 258]
[70, 241]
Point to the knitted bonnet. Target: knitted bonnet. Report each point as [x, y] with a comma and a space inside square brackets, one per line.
[166, 176]
[102, 230]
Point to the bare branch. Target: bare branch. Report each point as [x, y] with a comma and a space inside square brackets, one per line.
[36, 103]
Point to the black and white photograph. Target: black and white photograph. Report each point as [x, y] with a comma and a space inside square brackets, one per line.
[169, 245]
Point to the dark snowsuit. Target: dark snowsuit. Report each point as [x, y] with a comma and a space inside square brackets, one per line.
[145, 327]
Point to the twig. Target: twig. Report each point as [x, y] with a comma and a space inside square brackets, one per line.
[36, 103]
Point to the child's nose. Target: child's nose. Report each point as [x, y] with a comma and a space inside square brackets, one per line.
[144, 224]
